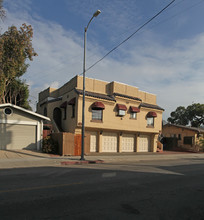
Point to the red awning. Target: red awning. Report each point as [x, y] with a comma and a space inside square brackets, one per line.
[121, 107]
[63, 105]
[98, 105]
[134, 109]
[72, 101]
[151, 114]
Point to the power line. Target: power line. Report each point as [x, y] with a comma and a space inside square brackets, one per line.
[178, 13]
[50, 69]
[63, 68]
[47, 70]
[147, 22]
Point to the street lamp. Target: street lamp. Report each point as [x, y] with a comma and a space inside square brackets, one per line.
[84, 70]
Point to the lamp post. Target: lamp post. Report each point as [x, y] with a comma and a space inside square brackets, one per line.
[84, 71]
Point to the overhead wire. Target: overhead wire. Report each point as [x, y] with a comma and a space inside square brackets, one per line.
[156, 15]
[147, 22]
[65, 67]
[190, 7]
[44, 75]
[136, 32]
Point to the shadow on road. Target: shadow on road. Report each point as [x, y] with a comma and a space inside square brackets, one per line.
[103, 191]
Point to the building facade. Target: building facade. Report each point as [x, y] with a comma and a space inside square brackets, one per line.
[186, 137]
[118, 117]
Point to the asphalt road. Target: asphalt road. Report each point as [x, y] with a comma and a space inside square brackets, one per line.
[127, 190]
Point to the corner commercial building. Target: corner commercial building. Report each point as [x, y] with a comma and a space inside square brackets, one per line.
[118, 117]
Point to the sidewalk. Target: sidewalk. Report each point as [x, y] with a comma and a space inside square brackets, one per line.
[27, 158]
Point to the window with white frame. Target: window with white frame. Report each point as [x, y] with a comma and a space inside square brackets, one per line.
[133, 112]
[133, 115]
[121, 112]
[150, 121]
[121, 109]
[97, 114]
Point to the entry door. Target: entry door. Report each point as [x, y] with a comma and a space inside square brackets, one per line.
[93, 141]
[144, 143]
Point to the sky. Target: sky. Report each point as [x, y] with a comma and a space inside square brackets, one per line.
[165, 58]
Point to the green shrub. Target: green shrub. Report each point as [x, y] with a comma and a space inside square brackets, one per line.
[49, 146]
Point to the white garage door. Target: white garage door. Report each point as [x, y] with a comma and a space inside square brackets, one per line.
[109, 142]
[15, 137]
[144, 143]
[93, 141]
[128, 143]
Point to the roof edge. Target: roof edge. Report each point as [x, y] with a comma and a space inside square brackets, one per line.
[24, 110]
[185, 127]
[151, 106]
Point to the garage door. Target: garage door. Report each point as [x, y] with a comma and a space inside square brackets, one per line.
[14, 137]
[93, 141]
[128, 143]
[144, 143]
[109, 142]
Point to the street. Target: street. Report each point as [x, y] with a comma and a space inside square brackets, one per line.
[165, 189]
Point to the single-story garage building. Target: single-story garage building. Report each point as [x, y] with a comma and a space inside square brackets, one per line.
[20, 128]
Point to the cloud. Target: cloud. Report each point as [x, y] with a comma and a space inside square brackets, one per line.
[173, 72]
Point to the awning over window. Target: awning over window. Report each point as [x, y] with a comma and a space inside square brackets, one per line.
[72, 101]
[63, 105]
[121, 107]
[98, 105]
[151, 114]
[134, 109]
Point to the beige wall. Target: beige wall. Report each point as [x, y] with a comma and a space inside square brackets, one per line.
[113, 122]
[103, 87]
[70, 123]
[98, 86]
[45, 93]
[55, 93]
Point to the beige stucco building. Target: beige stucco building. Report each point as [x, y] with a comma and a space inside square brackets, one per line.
[118, 117]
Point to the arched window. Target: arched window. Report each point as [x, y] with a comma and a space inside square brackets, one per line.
[97, 111]
[121, 109]
[133, 112]
[150, 118]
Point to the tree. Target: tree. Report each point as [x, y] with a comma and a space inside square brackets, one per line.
[18, 94]
[193, 115]
[179, 116]
[15, 49]
[196, 114]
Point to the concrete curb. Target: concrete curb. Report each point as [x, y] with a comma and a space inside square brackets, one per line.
[81, 162]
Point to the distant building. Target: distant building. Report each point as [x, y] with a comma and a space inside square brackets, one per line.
[118, 117]
[186, 137]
